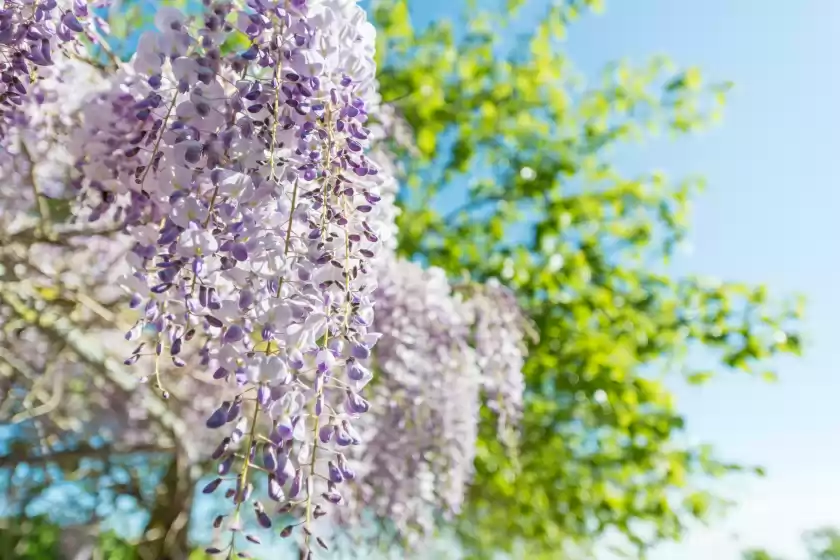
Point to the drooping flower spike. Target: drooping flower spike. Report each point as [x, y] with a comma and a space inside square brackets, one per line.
[30, 34]
[243, 180]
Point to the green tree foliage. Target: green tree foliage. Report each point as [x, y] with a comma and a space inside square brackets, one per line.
[821, 544]
[33, 538]
[513, 177]
[38, 538]
[757, 554]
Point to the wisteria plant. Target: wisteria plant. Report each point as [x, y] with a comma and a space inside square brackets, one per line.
[236, 207]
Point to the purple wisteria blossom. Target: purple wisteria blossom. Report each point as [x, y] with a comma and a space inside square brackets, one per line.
[244, 183]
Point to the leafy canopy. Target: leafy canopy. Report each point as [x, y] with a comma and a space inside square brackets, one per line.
[513, 177]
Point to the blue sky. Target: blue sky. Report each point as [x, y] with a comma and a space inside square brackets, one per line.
[769, 216]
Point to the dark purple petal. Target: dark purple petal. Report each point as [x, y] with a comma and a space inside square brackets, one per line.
[224, 466]
[325, 433]
[219, 416]
[360, 351]
[356, 403]
[333, 497]
[335, 473]
[239, 252]
[269, 458]
[234, 411]
[211, 486]
[285, 429]
[263, 396]
[263, 519]
[275, 489]
[297, 482]
[220, 450]
[246, 299]
[234, 333]
[72, 23]
[342, 438]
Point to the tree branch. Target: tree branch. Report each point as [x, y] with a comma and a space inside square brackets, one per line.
[82, 452]
[61, 234]
[62, 329]
[40, 202]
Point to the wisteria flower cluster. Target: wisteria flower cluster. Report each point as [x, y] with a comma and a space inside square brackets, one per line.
[500, 341]
[243, 182]
[34, 156]
[444, 350]
[80, 262]
[251, 205]
[30, 33]
[418, 453]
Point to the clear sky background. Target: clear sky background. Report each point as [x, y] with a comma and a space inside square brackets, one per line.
[770, 215]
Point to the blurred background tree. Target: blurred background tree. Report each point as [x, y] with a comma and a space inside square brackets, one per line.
[758, 554]
[509, 174]
[512, 178]
[823, 544]
[820, 544]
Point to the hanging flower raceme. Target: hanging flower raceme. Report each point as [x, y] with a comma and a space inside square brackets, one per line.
[444, 350]
[46, 250]
[34, 157]
[244, 183]
[30, 32]
[499, 339]
[419, 445]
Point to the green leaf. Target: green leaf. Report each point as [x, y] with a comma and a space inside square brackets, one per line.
[60, 209]
[235, 42]
[700, 377]
[426, 140]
